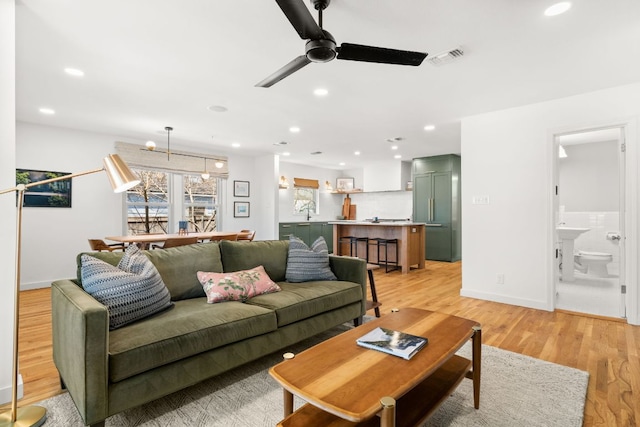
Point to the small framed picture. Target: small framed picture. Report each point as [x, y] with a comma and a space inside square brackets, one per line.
[344, 184]
[240, 188]
[241, 209]
[53, 195]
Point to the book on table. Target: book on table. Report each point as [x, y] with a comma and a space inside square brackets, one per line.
[393, 342]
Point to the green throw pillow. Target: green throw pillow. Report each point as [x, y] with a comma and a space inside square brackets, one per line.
[305, 264]
[131, 291]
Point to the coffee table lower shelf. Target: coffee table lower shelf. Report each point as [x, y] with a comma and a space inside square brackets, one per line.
[411, 409]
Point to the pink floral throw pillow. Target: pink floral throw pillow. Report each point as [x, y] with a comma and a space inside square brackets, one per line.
[236, 285]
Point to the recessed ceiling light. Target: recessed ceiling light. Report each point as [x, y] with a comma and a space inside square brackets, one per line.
[286, 153]
[341, 164]
[429, 127]
[294, 129]
[397, 156]
[395, 139]
[558, 8]
[235, 145]
[394, 147]
[217, 108]
[74, 72]
[48, 111]
[357, 153]
[321, 92]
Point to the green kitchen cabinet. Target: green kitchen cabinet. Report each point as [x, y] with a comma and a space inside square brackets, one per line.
[285, 229]
[327, 233]
[308, 232]
[436, 202]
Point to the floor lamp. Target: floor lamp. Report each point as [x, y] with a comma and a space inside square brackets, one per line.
[121, 179]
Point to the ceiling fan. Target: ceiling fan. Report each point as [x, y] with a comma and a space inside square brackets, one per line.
[321, 46]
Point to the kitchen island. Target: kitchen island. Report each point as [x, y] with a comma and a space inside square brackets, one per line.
[410, 235]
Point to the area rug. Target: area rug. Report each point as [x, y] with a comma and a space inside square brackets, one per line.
[516, 390]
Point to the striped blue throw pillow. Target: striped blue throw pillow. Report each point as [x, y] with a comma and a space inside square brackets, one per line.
[305, 264]
[131, 291]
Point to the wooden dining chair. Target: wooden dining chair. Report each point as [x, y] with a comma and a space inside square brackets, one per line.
[247, 235]
[176, 241]
[99, 245]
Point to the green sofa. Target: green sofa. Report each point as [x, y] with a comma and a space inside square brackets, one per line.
[107, 372]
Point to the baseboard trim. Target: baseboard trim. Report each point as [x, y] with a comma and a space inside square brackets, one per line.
[5, 391]
[34, 285]
[539, 305]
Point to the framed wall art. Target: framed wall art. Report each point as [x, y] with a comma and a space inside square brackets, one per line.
[240, 188]
[52, 195]
[241, 209]
[344, 184]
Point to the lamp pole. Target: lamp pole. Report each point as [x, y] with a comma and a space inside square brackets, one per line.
[121, 179]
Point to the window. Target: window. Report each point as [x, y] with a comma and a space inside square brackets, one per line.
[200, 203]
[149, 207]
[305, 201]
[148, 203]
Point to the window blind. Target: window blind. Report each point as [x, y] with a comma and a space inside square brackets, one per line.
[178, 161]
[305, 183]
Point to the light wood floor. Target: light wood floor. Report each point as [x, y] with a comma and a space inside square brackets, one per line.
[608, 349]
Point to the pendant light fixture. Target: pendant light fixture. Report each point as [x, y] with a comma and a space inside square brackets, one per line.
[168, 129]
[205, 174]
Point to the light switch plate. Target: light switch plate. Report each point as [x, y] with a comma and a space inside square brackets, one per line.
[480, 200]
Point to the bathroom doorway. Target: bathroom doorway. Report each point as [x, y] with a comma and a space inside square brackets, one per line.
[589, 220]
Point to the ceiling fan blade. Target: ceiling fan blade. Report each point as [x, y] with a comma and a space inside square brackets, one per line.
[358, 52]
[301, 19]
[285, 71]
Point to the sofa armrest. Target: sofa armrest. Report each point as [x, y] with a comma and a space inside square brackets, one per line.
[351, 269]
[80, 326]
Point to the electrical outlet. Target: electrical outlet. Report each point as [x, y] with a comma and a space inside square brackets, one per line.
[500, 279]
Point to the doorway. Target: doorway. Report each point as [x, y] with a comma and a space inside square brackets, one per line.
[589, 219]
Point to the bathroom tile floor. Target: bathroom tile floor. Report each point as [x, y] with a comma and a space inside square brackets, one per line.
[588, 294]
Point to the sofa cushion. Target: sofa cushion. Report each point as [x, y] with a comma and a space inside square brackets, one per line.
[236, 286]
[190, 328]
[297, 301]
[178, 266]
[272, 254]
[131, 291]
[305, 263]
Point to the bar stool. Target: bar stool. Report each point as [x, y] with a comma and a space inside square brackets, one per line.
[384, 243]
[353, 245]
[373, 304]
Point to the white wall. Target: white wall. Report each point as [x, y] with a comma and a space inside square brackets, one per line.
[383, 204]
[7, 201]
[589, 177]
[507, 155]
[262, 173]
[54, 236]
[330, 205]
[387, 205]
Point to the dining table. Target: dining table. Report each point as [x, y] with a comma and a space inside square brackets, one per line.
[146, 239]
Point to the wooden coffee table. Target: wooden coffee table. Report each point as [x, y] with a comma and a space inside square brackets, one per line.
[348, 385]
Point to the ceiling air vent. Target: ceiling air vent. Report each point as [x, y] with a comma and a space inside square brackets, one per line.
[446, 57]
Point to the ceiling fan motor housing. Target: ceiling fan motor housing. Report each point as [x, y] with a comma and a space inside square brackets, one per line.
[322, 50]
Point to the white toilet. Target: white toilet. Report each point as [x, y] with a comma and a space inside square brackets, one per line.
[594, 263]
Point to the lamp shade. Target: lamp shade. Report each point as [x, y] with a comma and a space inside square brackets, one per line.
[120, 176]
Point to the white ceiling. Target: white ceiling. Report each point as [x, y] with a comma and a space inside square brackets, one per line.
[155, 63]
